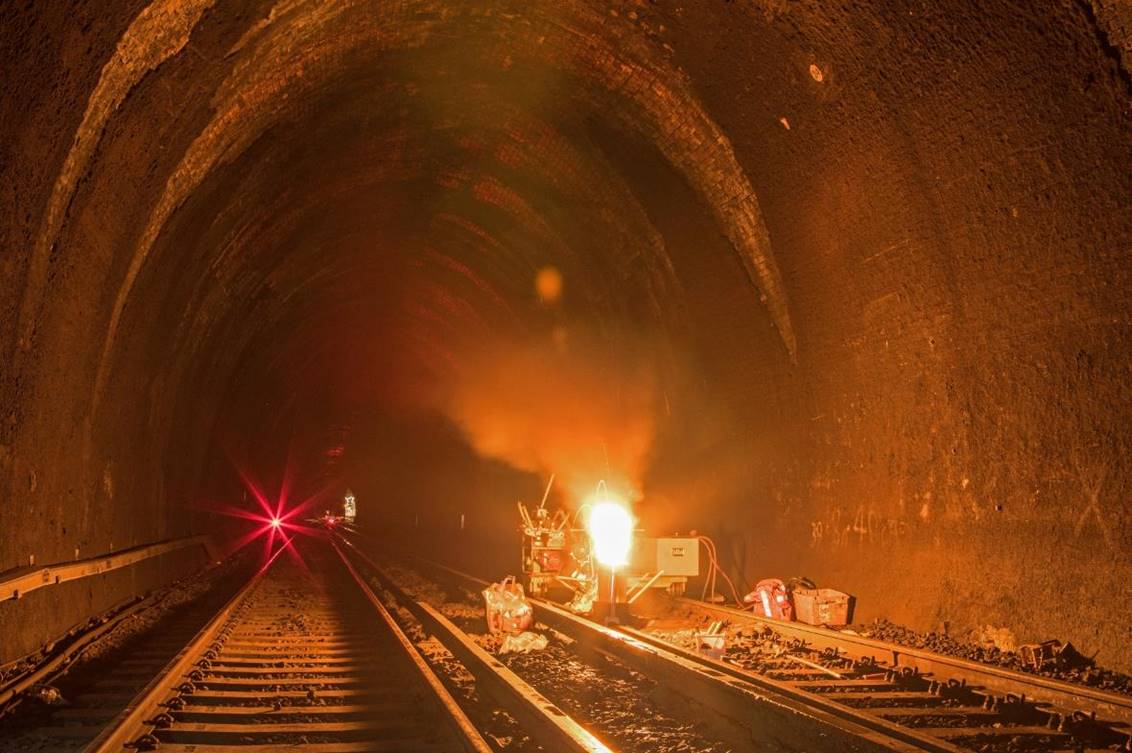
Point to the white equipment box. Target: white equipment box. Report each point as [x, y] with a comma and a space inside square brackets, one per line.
[678, 556]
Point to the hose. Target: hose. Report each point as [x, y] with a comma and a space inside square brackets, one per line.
[713, 570]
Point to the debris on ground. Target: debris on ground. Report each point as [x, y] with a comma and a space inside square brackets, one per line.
[522, 643]
[1055, 654]
[46, 694]
[1001, 638]
[506, 607]
[1072, 669]
[627, 697]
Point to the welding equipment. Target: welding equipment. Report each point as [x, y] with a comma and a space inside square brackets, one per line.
[558, 553]
[547, 542]
[611, 529]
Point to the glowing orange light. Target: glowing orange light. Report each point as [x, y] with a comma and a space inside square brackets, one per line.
[611, 529]
[548, 284]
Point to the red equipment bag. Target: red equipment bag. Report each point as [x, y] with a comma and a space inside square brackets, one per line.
[771, 598]
[507, 608]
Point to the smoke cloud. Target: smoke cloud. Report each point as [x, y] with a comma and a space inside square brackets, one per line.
[569, 404]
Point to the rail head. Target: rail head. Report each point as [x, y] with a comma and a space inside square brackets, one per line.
[734, 698]
[539, 714]
[131, 724]
[462, 728]
[1063, 695]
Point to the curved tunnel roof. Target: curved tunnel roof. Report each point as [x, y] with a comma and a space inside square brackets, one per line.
[859, 271]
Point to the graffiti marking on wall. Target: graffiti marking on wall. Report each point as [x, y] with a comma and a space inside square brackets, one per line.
[1093, 508]
[864, 525]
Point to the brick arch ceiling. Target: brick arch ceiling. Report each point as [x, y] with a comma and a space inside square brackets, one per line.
[894, 234]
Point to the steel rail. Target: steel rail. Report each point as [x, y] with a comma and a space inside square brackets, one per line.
[541, 718]
[878, 724]
[130, 724]
[11, 691]
[462, 726]
[769, 712]
[132, 727]
[791, 692]
[17, 583]
[1114, 708]
[72, 646]
[1080, 709]
[1063, 696]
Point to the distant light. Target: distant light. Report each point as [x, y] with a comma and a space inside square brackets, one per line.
[548, 284]
[276, 522]
[611, 529]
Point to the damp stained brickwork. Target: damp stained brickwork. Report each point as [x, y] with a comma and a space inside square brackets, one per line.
[881, 248]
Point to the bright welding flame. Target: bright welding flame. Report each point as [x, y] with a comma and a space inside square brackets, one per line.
[611, 529]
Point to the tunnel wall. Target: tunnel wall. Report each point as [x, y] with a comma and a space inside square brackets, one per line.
[79, 480]
[892, 239]
[37, 619]
[950, 208]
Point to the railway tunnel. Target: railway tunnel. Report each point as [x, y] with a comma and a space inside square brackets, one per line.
[843, 286]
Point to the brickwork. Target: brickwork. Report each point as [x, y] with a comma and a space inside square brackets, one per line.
[881, 251]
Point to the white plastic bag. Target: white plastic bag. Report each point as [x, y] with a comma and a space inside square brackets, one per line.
[522, 643]
[507, 609]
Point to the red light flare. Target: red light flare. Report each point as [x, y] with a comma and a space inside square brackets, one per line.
[280, 520]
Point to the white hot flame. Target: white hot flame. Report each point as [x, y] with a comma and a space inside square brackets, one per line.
[611, 529]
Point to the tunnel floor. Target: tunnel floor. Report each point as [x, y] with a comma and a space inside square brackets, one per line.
[349, 641]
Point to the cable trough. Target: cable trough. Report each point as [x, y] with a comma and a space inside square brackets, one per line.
[854, 693]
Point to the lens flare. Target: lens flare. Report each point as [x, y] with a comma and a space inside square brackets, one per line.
[277, 522]
[548, 284]
[611, 528]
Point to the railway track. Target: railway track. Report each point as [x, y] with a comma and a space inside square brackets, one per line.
[611, 713]
[313, 655]
[949, 704]
[92, 677]
[303, 657]
[859, 692]
[724, 714]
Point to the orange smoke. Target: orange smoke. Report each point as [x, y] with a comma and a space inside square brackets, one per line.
[576, 409]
